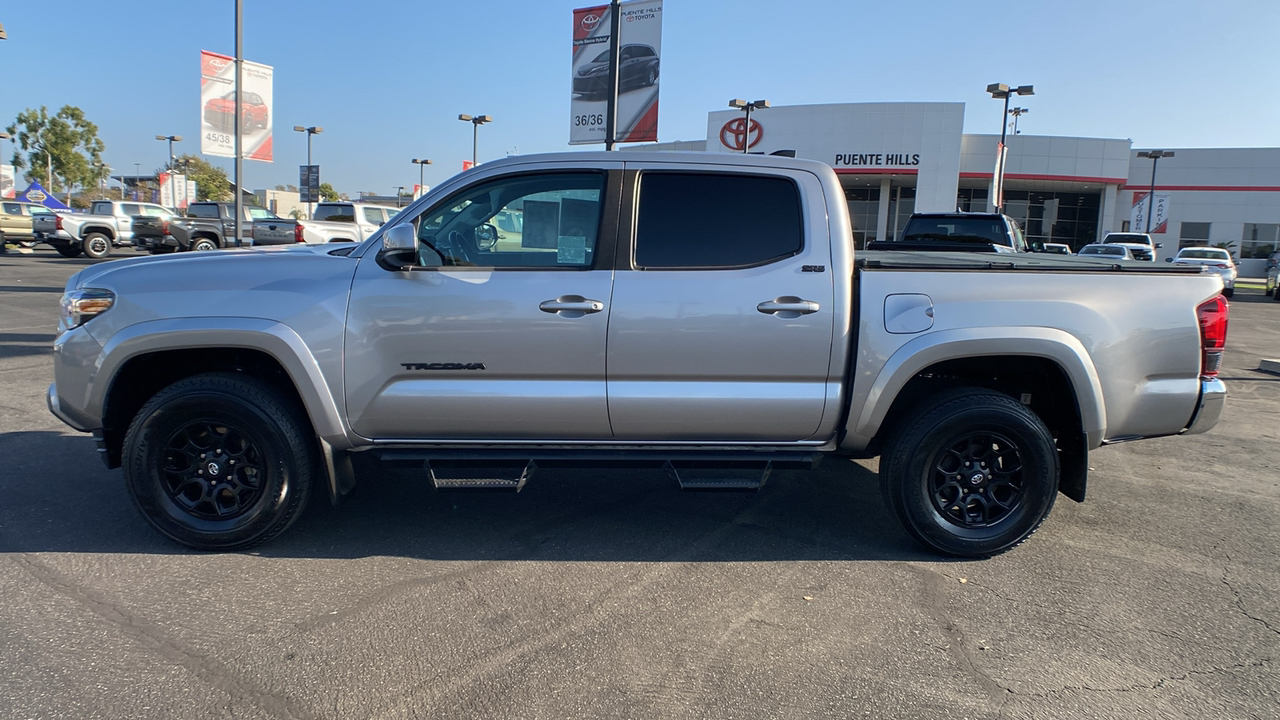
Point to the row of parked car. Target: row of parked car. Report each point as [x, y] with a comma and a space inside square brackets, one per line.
[156, 229]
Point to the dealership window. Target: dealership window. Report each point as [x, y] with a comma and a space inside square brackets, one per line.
[716, 220]
[864, 211]
[1193, 234]
[1259, 240]
[1057, 217]
[972, 199]
[902, 202]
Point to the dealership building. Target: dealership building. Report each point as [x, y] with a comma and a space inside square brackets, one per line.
[894, 159]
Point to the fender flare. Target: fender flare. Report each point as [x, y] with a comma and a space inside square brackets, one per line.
[274, 338]
[871, 405]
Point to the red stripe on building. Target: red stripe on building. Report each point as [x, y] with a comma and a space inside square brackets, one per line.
[1029, 176]
[1206, 188]
[877, 171]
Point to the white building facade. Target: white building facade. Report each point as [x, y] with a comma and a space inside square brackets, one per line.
[897, 158]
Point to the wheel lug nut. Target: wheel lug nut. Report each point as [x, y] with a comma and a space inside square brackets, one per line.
[202, 457]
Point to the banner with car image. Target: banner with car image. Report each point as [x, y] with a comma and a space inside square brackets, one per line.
[218, 108]
[638, 73]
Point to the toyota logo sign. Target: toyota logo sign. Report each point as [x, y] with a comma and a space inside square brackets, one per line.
[737, 135]
[590, 21]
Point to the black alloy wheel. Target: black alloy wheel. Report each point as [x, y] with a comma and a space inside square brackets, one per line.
[219, 461]
[971, 472]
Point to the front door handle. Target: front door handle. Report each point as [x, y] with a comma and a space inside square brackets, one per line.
[788, 306]
[571, 306]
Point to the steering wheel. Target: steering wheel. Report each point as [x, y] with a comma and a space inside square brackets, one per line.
[458, 248]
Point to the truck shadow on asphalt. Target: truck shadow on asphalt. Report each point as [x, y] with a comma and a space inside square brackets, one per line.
[60, 498]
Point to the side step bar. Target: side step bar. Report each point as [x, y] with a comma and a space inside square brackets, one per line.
[701, 476]
[506, 476]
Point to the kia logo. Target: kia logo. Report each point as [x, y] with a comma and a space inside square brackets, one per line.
[737, 135]
[590, 21]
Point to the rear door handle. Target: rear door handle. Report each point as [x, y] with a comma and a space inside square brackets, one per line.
[788, 306]
[571, 306]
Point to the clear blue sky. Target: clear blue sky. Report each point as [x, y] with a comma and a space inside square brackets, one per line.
[387, 79]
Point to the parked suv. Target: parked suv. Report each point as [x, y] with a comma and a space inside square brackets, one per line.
[1140, 245]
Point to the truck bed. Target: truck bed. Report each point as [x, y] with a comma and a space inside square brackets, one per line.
[1019, 262]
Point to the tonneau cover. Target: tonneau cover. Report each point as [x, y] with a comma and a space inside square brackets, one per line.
[1019, 262]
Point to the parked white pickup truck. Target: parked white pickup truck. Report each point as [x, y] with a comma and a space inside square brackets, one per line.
[108, 223]
[332, 222]
[702, 313]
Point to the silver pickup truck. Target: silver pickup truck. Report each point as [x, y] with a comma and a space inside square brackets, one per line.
[108, 223]
[700, 313]
[333, 222]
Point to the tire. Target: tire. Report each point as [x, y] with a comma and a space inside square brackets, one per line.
[68, 251]
[975, 510]
[202, 427]
[161, 250]
[1228, 292]
[1269, 292]
[204, 245]
[96, 245]
[651, 78]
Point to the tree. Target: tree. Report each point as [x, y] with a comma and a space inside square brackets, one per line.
[287, 188]
[59, 148]
[327, 193]
[211, 180]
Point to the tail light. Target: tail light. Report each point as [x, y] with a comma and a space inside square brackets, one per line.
[57, 221]
[1221, 265]
[297, 233]
[164, 227]
[1213, 334]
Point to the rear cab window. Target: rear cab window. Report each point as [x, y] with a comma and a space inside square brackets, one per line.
[336, 213]
[716, 220]
[203, 210]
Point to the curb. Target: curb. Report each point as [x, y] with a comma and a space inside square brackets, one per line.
[1271, 366]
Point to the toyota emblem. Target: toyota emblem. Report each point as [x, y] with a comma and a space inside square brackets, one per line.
[590, 21]
[737, 135]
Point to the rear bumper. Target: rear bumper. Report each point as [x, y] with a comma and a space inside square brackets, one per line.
[1213, 397]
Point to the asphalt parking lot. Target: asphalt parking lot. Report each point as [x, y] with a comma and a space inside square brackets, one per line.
[612, 594]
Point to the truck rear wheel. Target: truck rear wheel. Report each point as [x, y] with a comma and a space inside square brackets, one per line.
[68, 251]
[96, 245]
[971, 473]
[219, 462]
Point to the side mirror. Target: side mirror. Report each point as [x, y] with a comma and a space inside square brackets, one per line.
[1159, 245]
[486, 236]
[1037, 246]
[399, 247]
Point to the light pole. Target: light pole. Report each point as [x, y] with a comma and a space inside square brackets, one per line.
[173, 186]
[421, 163]
[399, 192]
[746, 124]
[476, 122]
[1016, 113]
[102, 188]
[309, 131]
[1002, 91]
[1155, 156]
[137, 173]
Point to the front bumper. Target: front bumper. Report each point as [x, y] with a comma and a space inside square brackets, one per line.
[1213, 397]
[51, 397]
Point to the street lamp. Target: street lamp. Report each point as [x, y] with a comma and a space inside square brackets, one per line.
[476, 122]
[746, 124]
[1016, 113]
[399, 193]
[173, 187]
[421, 166]
[1001, 91]
[309, 131]
[1155, 156]
[102, 189]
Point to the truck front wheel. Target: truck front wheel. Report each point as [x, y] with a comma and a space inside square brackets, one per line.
[219, 462]
[971, 473]
[204, 245]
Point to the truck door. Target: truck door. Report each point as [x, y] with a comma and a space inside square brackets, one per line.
[722, 319]
[491, 335]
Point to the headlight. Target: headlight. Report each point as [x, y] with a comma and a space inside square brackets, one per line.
[81, 306]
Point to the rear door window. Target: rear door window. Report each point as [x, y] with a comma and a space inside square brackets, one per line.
[716, 220]
[203, 211]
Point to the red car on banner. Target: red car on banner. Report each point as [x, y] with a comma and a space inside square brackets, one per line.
[220, 112]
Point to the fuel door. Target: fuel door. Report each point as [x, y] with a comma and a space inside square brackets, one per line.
[907, 313]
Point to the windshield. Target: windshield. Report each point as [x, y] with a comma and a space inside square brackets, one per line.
[602, 57]
[956, 229]
[1204, 255]
[1094, 250]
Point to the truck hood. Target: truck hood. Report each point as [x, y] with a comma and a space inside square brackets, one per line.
[225, 268]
